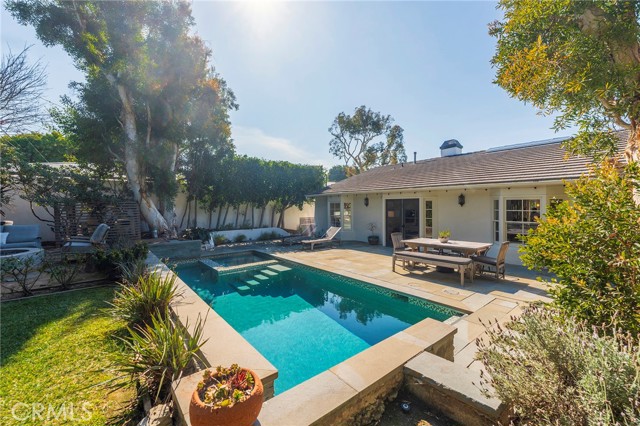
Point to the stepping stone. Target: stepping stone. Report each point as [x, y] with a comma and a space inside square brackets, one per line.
[268, 272]
[252, 283]
[279, 268]
[241, 288]
[260, 277]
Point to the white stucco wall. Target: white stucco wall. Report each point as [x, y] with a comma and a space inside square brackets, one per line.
[471, 222]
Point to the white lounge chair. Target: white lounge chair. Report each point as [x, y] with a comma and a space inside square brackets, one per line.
[327, 238]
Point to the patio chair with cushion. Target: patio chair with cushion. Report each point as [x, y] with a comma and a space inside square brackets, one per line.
[497, 263]
[327, 238]
[84, 244]
[20, 236]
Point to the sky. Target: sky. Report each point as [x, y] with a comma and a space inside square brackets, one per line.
[294, 66]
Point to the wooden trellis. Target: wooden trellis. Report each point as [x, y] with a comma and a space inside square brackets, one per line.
[72, 220]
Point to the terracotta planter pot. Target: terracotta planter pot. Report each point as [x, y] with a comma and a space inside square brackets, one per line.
[444, 240]
[241, 414]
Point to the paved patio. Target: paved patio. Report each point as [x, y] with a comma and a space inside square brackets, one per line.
[485, 301]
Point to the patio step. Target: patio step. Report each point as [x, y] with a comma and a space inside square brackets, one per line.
[269, 273]
[240, 287]
[260, 277]
[279, 268]
[252, 283]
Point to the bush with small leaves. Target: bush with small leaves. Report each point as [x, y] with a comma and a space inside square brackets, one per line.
[592, 245]
[23, 271]
[64, 270]
[553, 370]
[240, 238]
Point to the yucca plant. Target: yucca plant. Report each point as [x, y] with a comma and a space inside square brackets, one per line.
[150, 295]
[132, 271]
[157, 354]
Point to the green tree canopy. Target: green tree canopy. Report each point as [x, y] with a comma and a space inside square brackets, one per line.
[149, 89]
[41, 148]
[337, 173]
[366, 139]
[579, 59]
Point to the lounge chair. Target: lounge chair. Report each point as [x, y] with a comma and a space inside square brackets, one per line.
[497, 262]
[327, 238]
[84, 244]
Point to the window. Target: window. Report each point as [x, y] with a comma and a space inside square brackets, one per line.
[428, 218]
[347, 216]
[496, 220]
[334, 214]
[521, 216]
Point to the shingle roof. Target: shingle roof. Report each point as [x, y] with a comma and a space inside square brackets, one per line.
[536, 162]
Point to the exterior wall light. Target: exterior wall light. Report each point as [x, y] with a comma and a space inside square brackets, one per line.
[461, 200]
[366, 201]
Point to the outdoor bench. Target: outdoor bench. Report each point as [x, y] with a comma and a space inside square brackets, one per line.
[462, 264]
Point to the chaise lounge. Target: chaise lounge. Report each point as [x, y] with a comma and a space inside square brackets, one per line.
[83, 244]
[327, 238]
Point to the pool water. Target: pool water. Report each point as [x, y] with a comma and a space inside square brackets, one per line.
[304, 320]
[240, 259]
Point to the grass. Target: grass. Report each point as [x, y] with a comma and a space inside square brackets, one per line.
[55, 350]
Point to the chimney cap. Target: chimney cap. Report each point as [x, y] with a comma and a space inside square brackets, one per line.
[451, 143]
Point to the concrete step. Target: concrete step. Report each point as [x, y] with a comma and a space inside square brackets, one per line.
[269, 273]
[279, 268]
[260, 277]
[240, 287]
[252, 283]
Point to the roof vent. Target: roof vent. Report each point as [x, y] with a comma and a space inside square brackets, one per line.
[450, 148]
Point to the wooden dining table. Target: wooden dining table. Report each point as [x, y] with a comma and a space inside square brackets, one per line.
[467, 248]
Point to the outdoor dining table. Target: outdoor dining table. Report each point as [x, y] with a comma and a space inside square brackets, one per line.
[467, 248]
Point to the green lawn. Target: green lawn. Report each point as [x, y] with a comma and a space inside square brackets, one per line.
[53, 349]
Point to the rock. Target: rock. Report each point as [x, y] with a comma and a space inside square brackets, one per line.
[160, 415]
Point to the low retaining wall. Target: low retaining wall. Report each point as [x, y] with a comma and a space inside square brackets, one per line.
[178, 249]
[452, 389]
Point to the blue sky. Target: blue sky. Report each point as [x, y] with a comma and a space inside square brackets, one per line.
[295, 65]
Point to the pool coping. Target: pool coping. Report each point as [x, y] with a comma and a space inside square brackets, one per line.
[340, 392]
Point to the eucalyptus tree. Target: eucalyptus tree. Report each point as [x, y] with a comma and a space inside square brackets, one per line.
[147, 77]
[579, 59]
[366, 139]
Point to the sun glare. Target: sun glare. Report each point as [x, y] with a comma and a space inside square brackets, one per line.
[262, 16]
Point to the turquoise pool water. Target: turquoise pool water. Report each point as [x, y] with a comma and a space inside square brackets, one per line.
[304, 320]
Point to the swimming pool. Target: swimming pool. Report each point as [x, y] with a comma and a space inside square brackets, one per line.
[305, 320]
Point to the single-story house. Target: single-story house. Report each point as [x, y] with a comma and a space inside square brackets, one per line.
[485, 196]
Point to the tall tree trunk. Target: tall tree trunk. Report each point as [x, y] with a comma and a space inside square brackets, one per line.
[184, 213]
[281, 218]
[148, 209]
[195, 213]
[253, 214]
[218, 217]
[244, 216]
[273, 214]
[261, 216]
[226, 212]
[210, 217]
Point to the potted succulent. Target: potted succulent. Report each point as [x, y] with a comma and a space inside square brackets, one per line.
[374, 240]
[226, 396]
[443, 236]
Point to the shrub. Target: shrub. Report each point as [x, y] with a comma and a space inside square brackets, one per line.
[24, 271]
[151, 295]
[64, 270]
[111, 261]
[240, 238]
[266, 236]
[201, 234]
[131, 272]
[593, 247]
[219, 239]
[157, 354]
[553, 370]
